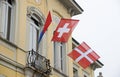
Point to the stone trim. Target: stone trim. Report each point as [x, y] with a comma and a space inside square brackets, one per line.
[11, 64]
[60, 73]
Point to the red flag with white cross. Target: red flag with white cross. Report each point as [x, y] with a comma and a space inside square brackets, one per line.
[64, 30]
[84, 55]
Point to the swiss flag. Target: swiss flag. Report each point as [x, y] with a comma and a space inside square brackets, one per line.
[64, 30]
[84, 55]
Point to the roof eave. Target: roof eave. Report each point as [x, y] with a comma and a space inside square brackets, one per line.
[97, 64]
[72, 7]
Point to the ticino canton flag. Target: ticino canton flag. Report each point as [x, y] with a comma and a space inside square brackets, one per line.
[84, 55]
[64, 30]
[47, 23]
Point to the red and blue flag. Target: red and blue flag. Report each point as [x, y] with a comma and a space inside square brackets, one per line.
[47, 23]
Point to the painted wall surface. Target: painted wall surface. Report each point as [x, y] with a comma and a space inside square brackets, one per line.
[6, 72]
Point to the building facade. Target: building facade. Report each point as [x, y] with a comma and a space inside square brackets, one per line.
[20, 25]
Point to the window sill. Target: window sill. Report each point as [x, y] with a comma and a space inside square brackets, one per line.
[59, 72]
[10, 43]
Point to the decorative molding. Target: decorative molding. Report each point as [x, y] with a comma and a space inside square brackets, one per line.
[58, 13]
[56, 17]
[71, 11]
[72, 7]
[11, 64]
[6, 42]
[33, 10]
[61, 74]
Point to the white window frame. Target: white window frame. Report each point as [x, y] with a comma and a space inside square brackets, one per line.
[76, 67]
[4, 27]
[35, 14]
[32, 34]
[60, 56]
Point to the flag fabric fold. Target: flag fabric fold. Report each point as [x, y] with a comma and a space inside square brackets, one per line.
[64, 30]
[84, 55]
[46, 25]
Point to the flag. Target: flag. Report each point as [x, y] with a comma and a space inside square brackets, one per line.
[84, 55]
[47, 23]
[64, 30]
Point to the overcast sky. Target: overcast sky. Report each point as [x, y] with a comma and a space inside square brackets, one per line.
[99, 27]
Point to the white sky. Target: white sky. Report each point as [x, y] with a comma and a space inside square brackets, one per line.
[99, 27]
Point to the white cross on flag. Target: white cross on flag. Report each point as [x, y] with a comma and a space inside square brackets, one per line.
[64, 30]
[84, 55]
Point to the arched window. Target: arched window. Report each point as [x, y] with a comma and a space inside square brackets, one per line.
[7, 13]
[35, 22]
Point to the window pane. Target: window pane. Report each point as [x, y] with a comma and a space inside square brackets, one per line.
[4, 19]
[6, 12]
[34, 41]
[57, 56]
[1, 27]
[60, 56]
[33, 31]
[32, 35]
[75, 72]
[63, 52]
[9, 23]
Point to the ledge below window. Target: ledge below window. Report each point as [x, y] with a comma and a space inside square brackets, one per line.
[59, 73]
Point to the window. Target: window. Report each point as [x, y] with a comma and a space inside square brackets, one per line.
[85, 74]
[75, 72]
[33, 33]
[6, 24]
[34, 27]
[60, 56]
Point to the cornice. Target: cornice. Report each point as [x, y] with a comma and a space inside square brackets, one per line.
[72, 7]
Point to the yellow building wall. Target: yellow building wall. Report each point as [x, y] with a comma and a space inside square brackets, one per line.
[21, 33]
[7, 52]
[55, 5]
[20, 56]
[9, 72]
